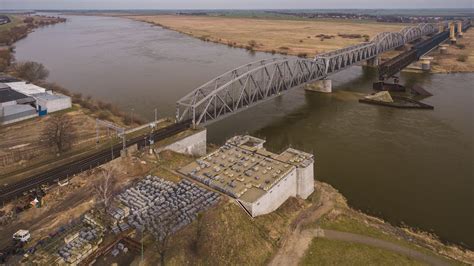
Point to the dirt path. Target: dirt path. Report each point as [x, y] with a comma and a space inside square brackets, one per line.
[299, 240]
[378, 243]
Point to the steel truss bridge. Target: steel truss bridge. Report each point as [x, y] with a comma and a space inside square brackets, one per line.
[256, 82]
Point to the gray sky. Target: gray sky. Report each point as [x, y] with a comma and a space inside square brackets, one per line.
[230, 4]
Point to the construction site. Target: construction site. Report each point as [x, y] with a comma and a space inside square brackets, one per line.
[139, 208]
[156, 201]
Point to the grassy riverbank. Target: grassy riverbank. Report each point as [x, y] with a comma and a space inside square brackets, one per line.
[459, 57]
[303, 38]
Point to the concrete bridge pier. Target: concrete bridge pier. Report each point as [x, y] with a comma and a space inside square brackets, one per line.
[443, 48]
[460, 33]
[426, 63]
[440, 27]
[452, 33]
[324, 85]
[373, 62]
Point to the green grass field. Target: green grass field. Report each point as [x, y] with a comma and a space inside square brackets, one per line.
[347, 224]
[332, 252]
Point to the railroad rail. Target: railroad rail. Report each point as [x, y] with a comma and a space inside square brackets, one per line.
[67, 170]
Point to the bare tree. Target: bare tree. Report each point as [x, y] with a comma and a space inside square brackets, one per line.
[59, 132]
[31, 71]
[162, 231]
[104, 188]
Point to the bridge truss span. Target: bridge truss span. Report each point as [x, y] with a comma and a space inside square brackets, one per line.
[250, 88]
[253, 83]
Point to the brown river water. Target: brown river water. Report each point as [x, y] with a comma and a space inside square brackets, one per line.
[405, 166]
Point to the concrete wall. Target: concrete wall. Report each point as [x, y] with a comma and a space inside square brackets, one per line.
[12, 119]
[299, 182]
[305, 181]
[324, 85]
[275, 197]
[55, 105]
[7, 103]
[194, 144]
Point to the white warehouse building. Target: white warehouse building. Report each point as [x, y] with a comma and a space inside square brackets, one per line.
[46, 101]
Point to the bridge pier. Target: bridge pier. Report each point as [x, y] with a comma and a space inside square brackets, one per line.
[452, 33]
[460, 33]
[324, 85]
[373, 62]
[440, 27]
[426, 63]
[443, 48]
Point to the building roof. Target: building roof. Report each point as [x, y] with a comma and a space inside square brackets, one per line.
[244, 169]
[49, 96]
[26, 88]
[8, 95]
[6, 79]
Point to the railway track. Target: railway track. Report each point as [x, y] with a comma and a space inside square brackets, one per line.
[14, 190]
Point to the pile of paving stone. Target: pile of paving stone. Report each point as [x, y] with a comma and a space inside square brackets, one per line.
[155, 200]
[80, 245]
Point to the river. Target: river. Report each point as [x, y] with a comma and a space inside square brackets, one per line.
[405, 166]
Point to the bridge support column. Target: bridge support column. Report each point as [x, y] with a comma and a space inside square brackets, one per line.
[452, 33]
[426, 63]
[443, 48]
[440, 27]
[460, 33]
[373, 62]
[324, 85]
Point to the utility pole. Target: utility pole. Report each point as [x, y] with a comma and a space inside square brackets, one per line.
[111, 146]
[156, 114]
[142, 242]
[131, 116]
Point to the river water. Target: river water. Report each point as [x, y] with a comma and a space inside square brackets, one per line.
[406, 166]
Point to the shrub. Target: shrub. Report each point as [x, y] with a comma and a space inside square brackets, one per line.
[31, 71]
[461, 46]
[302, 54]
[252, 43]
[104, 115]
[284, 48]
[462, 58]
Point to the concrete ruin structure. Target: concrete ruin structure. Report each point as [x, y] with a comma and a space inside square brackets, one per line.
[259, 180]
[426, 63]
[324, 85]
[192, 143]
[452, 33]
[460, 33]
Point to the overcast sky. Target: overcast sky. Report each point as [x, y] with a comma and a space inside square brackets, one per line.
[230, 4]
